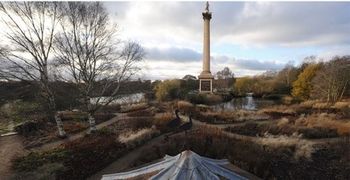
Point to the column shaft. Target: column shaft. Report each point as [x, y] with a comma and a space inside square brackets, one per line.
[206, 46]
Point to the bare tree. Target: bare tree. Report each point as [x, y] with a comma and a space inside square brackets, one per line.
[91, 57]
[30, 29]
[332, 80]
[226, 73]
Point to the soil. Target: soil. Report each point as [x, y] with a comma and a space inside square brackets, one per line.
[11, 147]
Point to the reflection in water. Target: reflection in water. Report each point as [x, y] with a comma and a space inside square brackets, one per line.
[246, 103]
[124, 99]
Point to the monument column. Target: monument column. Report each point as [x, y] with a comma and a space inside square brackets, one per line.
[206, 78]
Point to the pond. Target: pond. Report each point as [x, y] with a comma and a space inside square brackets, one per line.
[246, 103]
[123, 99]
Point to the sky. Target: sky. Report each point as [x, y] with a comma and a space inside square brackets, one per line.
[248, 37]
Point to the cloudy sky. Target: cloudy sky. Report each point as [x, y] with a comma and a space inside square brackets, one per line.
[247, 37]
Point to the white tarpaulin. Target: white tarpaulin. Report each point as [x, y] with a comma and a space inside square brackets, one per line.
[184, 166]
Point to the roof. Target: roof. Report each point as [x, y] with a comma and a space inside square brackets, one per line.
[185, 166]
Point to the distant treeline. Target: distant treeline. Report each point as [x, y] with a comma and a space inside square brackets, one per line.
[314, 79]
[66, 93]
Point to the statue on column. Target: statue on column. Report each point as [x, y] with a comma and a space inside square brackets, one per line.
[207, 6]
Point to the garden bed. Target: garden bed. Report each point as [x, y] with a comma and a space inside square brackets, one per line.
[316, 126]
[267, 162]
[74, 160]
[73, 122]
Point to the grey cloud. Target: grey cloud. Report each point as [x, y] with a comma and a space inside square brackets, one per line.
[173, 54]
[283, 23]
[318, 23]
[247, 64]
[258, 65]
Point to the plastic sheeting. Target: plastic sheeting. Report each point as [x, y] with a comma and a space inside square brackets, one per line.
[184, 166]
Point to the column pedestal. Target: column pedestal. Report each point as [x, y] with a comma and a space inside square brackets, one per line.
[206, 82]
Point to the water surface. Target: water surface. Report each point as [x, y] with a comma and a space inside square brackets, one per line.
[246, 103]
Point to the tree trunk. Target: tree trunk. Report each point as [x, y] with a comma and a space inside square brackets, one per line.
[61, 132]
[92, 123]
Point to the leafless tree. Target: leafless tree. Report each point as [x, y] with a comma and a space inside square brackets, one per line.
[226, 73]
[91, 57]
[332, 80]
[29, 29]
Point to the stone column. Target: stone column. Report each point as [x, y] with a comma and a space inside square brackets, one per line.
[206, 42]
[206, 78]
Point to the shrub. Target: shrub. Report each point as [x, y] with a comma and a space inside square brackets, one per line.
[279, 111]
[213, 99]
[161, 121]
[102, 117]
[112, 108]
[94, 152]
[34, 160]
[203, 108]
[185, 107]
[327, 121]
[342, 105]
[81, 158]
[283, 122]
[317, 132]
[20, 111]
[74, 115]
[74, 127]
[134, 107]
[143, 112]
[288, 100]
[29, 128]
[208, 99]
[273, 159]
[321, 105]
[47, 171]
[308, 103]
[196, 98]
[134, 138]
[139, 123]
[168, 90]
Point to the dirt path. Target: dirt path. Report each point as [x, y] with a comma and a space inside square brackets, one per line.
[10, 147]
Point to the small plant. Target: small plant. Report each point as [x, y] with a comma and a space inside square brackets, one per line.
[134, 138]
[133, 107]
[161, 121]
[185, 107]
[142, 113]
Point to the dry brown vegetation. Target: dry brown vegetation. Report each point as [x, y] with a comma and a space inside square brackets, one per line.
[149, 112]
[185, 107]
[133, 107]
[327, 121]
[273, 159]
[135, 138]
[229, 116]
[311, 126]
[161, 121]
